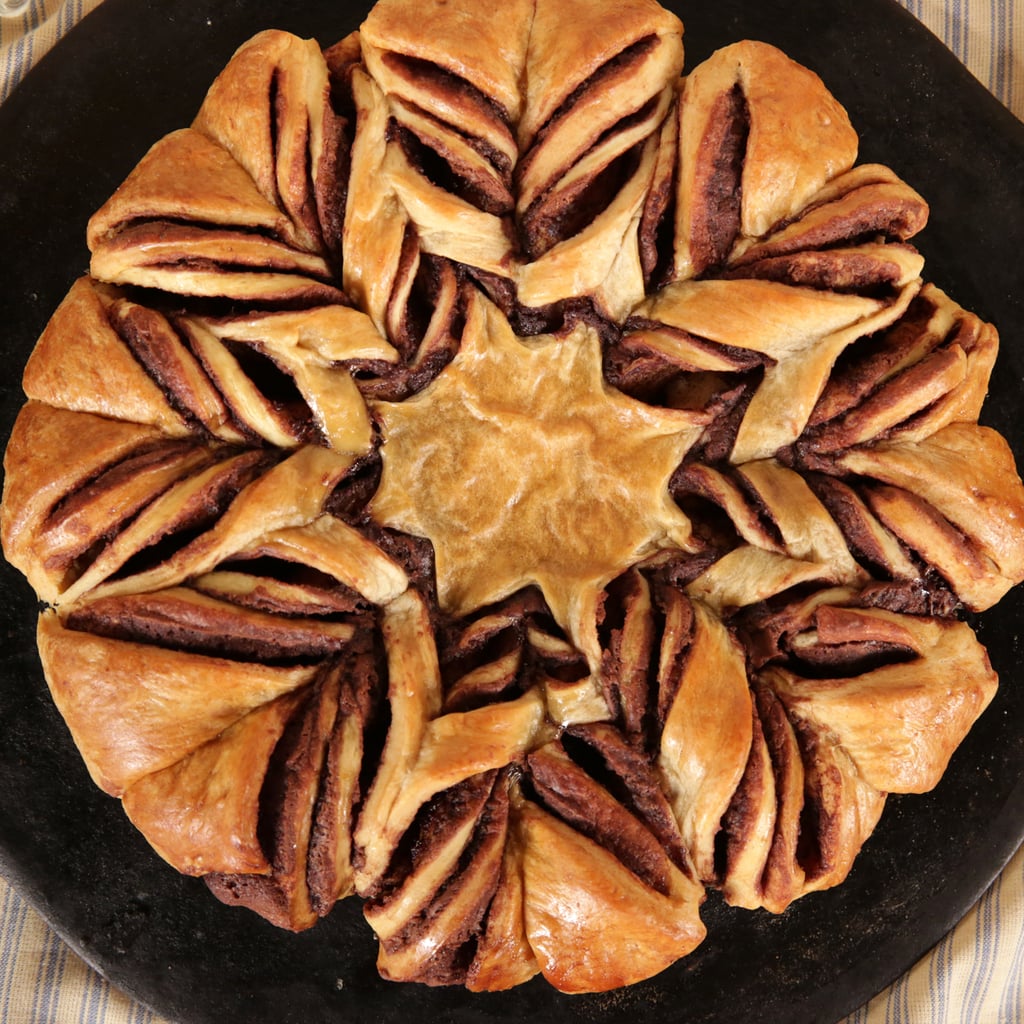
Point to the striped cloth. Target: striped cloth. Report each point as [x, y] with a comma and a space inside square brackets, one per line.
[975, 975]
[25, 37]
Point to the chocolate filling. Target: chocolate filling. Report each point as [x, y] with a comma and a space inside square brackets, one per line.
[628, 654]
[890, 219]
[303, 186]
[674, 660]
[349, 499]
[442, 167]
[572, 794]
[843, 505]
[634, 53]
[744, 808]
[341, 789]
[202, 511]
[169, 361]
[163, 453]
[656, 233]
[425, 341]
[279, 391]
[563, 213]
[718, 182]
[286, 810]
[930, 595]
[627, 772]
[443, 958]
[209, 627]
[453, 90]
[782, 874]
[332, 187]
[414, 554]
[843, 272]
[861, 367]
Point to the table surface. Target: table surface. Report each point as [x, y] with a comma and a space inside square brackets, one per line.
[974, 974]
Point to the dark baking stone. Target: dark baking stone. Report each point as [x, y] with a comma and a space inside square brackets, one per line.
[135, 69]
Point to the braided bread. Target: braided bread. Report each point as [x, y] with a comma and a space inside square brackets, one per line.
[515, 484]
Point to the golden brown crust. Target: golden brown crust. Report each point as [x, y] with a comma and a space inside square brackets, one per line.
[705, 739]
[201, 813]
[791, 138]
[270, 110]
[600, 927]
[528, 536]
[135, 709]
[490, 474]
[190, 219]
[568, 44]
[504, 957]
[33, 490]
[99, 374]
[932, 701]
[484, 46]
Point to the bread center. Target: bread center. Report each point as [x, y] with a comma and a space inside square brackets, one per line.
[522, 466]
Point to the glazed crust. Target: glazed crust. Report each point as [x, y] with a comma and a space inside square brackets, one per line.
[489, 474]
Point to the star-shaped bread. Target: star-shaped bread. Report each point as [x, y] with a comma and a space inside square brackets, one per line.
[523, 466]
[300, 499]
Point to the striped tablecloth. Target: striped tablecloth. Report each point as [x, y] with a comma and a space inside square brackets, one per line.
[975, 975]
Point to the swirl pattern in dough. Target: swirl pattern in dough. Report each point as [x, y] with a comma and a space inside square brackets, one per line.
[490, 474]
